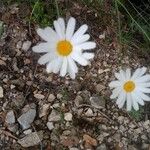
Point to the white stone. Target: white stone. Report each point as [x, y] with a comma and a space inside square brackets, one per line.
[39, 96]
[68, 116]
[51, 98]
[26, 132]
[26, 45]
[27, 118]
[43, 110]
[31, 139]
[10, 117]
[1, 92]
[89, 112]
[54, 116]
[50, 125]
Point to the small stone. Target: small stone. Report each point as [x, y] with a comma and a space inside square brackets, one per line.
[13, 128]
[101, 147]
[50, 125]
[19, 45]
[89, 141]
[12, 86]
[51, 97]
[54, 116]
[97, 102]
[26, 132]
[31, 139]
[89, 112]
[73, 148]
[27, 117]
[78, 100]
[39, 96]
[26, 45]
[68, 116]
[44, 110]
[59, 96]
[10, 117]
[99, 87]
[1, 92]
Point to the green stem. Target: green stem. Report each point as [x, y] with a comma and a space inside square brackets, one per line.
[57, 8]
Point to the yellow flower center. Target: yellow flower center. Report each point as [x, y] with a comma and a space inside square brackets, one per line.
[129, 86]
[64, 48]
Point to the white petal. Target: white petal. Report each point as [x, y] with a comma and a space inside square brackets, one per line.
[70, 28]
[129, 102]
[114, 84]
[137, 98]
[49, 67]
[146, 84]
[144, 90]
[120, 97]
[80, 32]
[71, 69]
[63, 70]
[135, 103]
[58, 30]
[62, 25]
[57, 65]
[122, 75]
[115, 92]
[47, 34]
[46, 58]
[138, 73]
[87, 45]
[117, 75]
[79, 59]
[128, 74]
[143, 96]
[81, 39]
[72, 64]
[122, 101]
[144, 78]
[88, 55]
[43, 47]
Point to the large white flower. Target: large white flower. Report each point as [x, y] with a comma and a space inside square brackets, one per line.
[64, 47]
[132, 89]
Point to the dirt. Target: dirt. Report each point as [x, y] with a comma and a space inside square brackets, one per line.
[21, 79]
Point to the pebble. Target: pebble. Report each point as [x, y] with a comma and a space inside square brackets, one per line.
[13, 127]
[26, 45]
[31, 139]
[1, 92]
[73, 148]
[68, 116]
[51, 97]
[39, 96]
[99, 87]
[50, 125]
[27, 117]
[101, 147]
[54, 116]
[97, 102]
[78, 100]
[89, 112]
[26, 132]
[10, 117]
[44, 110]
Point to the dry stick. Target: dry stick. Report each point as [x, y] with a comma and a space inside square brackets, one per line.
[31, 16]
[86, 105]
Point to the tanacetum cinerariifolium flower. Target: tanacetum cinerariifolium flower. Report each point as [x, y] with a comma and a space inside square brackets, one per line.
[132, 89]
[64, 46]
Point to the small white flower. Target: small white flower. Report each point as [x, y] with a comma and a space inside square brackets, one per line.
[131, 88]
[64, 47]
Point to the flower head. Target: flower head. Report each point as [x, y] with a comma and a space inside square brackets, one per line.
[131, 89]
[64, 46]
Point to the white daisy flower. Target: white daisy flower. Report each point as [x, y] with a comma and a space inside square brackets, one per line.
[132, 89]
[64, 46]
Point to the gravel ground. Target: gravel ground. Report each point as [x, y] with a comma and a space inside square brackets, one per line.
[44, 111]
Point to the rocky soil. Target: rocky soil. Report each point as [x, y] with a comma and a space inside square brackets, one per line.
[47, 112]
